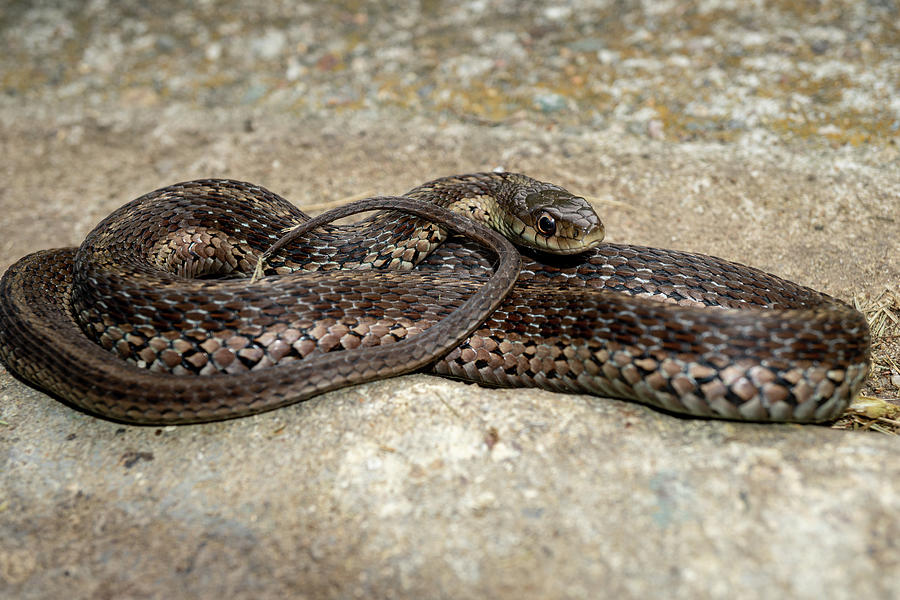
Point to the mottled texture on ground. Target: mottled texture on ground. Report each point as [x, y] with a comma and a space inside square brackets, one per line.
[713, 69]
[764, 135]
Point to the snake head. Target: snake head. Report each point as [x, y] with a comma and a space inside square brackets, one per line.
[548, 218]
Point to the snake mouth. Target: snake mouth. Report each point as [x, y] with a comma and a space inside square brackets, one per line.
[575, 241]
[592, 238]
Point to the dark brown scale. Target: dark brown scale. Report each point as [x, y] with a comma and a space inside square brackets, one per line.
[646, 324]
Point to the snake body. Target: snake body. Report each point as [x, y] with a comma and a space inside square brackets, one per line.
[152, 319]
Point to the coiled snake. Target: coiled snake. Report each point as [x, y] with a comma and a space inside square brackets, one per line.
[153, 319]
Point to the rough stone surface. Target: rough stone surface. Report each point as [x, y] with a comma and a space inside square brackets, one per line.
[764, 134]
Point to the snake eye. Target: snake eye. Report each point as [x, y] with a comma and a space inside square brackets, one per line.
[546, 224]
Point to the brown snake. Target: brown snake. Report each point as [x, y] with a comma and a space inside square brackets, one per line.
[152, 319]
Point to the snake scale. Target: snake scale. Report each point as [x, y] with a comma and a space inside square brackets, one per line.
[154, 320]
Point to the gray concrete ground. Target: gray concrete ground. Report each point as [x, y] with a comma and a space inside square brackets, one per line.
[764, 134]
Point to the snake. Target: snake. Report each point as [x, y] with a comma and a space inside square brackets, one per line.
[163, 316]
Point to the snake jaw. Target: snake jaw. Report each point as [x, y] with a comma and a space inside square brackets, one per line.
[582, 241]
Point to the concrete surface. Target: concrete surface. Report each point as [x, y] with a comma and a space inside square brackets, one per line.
[764, 134]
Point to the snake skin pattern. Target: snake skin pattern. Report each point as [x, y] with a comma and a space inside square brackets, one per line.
[139, 325]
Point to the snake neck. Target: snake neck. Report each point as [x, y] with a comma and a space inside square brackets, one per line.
[483, 197]
[397, 241]
[479, 196]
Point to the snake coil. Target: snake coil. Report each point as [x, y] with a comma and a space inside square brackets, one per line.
[153, 319]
